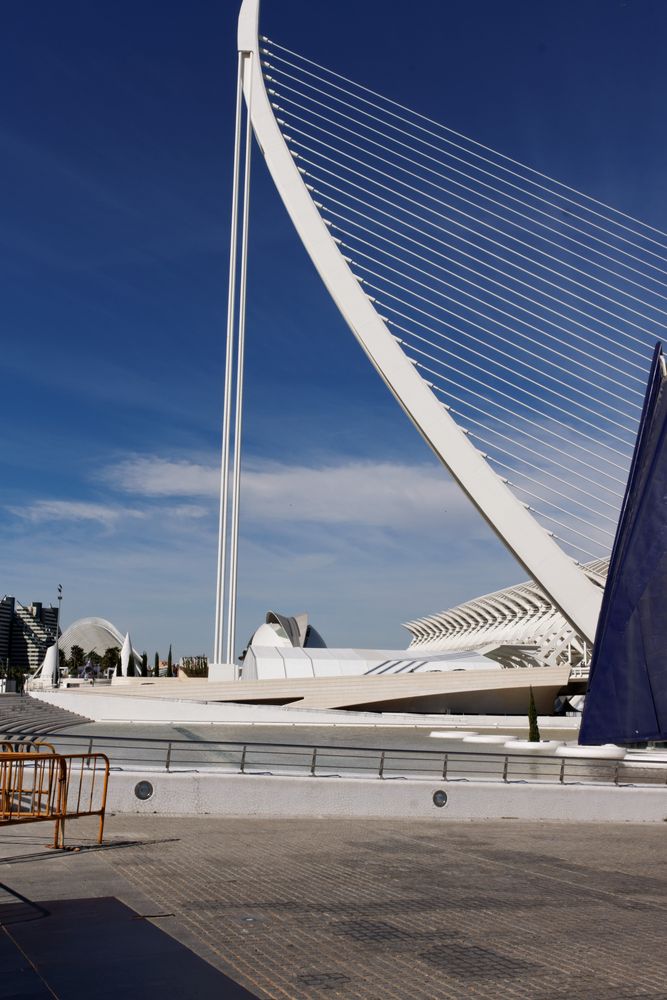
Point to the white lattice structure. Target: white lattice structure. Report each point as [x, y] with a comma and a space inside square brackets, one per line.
[517, 626]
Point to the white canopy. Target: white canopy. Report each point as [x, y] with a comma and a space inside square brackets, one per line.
[47, 672]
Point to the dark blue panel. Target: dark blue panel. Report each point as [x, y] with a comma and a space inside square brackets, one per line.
[627, 689]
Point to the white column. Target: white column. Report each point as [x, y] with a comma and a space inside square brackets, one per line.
[218, 642]
[240, 358]
[230, 478]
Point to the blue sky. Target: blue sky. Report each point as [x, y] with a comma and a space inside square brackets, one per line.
[115, 167]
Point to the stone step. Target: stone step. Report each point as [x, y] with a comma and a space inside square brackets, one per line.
[21, 715]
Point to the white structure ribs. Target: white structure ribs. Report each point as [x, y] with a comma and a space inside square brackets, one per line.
[526, 311]
[518, 627]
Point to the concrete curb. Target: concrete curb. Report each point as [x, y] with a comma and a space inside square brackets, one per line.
[191, 794]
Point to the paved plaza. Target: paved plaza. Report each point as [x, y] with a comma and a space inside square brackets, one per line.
[379, 910]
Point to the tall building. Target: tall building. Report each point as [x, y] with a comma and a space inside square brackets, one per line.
[26, 632]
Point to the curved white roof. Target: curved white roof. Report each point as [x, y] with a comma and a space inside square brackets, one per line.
[91, 634]
[515, 626]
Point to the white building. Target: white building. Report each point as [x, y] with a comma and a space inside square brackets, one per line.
[518, 627]
[514, 627]
[93, 635]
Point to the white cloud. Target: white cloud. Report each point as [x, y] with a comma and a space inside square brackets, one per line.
[386, 494]
[357, 582]
[107, 515]
[378, 494]
[73, 510]
[185, 510]
[151, 476]
[362, 546]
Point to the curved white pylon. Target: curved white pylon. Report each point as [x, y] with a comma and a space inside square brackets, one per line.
[564, 581]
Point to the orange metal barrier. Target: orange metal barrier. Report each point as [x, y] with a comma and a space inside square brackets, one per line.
[49, 787]
[85, 788]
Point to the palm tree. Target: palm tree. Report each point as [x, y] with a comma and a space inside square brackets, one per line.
[76, 656]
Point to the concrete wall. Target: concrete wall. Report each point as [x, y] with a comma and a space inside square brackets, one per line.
[189, 794]
[509, 701]
[128, 708]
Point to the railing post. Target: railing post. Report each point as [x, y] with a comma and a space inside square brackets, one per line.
[561, 776]
[444, 768]
[505, 767]
[168, 762]
[381, 768]
[243, 753]
[313, 762]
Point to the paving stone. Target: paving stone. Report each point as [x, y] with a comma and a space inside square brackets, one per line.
[379, 910]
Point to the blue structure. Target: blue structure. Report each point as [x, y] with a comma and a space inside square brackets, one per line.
[627, 689]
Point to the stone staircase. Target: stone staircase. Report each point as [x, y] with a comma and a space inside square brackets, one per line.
[21, 715]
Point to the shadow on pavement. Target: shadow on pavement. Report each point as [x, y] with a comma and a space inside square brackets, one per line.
[73, 949]
[70, 849]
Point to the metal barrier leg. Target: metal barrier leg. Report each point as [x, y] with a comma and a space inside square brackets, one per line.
[63, 786]
[59, 833]
[105, 789]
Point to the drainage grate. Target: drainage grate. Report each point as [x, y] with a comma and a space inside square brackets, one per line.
[373, 930]
[471, 962]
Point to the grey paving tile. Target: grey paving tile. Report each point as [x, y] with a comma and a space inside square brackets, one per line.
[308, 909]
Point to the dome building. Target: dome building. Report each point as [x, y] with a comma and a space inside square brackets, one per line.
[92, 634]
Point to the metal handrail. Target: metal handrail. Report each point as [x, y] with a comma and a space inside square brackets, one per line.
[322, 761]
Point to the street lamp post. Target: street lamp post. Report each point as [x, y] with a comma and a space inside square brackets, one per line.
[60, 601]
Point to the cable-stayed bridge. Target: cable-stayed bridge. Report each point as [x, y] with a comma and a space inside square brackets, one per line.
[512, 316]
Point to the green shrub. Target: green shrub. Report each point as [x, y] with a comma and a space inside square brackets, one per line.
[533, 728]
